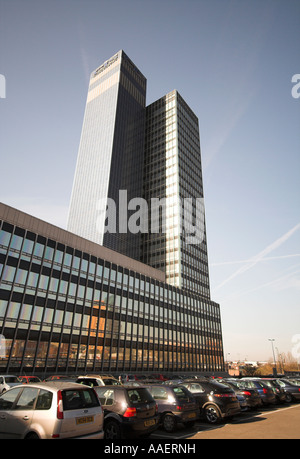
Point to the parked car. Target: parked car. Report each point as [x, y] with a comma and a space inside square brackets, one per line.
[128, 412]
[98, 380]
[28, 379]
[8, 381]
[215, 400]
[57, 377]
[292, 391]
[175, 405]
[55, 409]
[277, 389]
[127, 378]
[266, 393]
[159, 377]
[252, 397]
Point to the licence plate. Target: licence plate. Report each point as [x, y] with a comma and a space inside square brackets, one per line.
[84, 420]
[150, 422]
[192, 415]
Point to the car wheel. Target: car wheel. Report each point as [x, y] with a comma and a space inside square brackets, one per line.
[32, 436]
[169, 423]
[112, 430]
[288, 398]
[212, 414]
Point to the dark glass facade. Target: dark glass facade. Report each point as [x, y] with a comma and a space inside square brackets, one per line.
[111, 153]
[173, 172]
[66, 310]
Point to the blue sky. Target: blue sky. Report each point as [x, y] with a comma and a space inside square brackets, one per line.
[233, 62]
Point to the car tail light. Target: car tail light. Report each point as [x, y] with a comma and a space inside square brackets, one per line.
[224, 395]
[246, 392]
[179, 408]
[130, 412]
[265, 391]
[156, 408]
[60, 412]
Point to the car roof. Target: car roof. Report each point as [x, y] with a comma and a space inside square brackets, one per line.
[55, 385]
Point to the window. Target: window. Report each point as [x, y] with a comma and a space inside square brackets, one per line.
[79, 399]
[106, 396]
[159, 393]
[7, 399]
[44, 400]
[27, 399]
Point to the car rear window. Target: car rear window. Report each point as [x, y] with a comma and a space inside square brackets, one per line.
[75, 399]
[88, 381]
[139, 395]
[180, 392]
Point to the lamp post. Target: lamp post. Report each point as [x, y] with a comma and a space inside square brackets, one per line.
[275, 368]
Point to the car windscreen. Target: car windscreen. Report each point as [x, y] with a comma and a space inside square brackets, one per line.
[111, 382]
[11, 379]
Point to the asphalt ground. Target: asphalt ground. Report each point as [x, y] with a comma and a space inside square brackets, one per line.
[279, 422]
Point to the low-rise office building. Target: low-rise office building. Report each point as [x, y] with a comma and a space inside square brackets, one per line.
[69, 305]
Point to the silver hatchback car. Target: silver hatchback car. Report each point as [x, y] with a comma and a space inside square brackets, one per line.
[55, 409]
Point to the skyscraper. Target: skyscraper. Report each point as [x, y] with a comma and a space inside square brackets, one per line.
[173, 172]
[111, 151]
[151, 152]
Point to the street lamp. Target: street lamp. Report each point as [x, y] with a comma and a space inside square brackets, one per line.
[272, 341]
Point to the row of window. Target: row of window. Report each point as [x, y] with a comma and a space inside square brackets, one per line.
[60, 295]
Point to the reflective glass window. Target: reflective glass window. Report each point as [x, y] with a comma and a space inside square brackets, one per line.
[4, 238]
[8, 273]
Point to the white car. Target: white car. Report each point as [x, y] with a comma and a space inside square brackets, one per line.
[46, 410]
[8, 381]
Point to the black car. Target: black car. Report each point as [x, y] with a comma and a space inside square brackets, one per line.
[215, 400]
[277, 389]
[175, 405]
[253, 399]
[129, 412]
[292, 390]
[266, 392]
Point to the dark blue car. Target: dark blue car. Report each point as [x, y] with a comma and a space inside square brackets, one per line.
[266, 393]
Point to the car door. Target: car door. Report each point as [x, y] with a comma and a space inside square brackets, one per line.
[22, 412]
[7, 400]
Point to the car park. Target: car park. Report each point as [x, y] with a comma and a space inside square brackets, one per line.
[175, 405]
[215, 400]
[7, 382]
[128, 411]
[98, 380]
[251, 395]
[291, 390]
[56, 409]
[266, 393]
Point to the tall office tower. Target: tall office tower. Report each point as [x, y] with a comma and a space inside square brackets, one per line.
[173, 174]
[111, 151]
